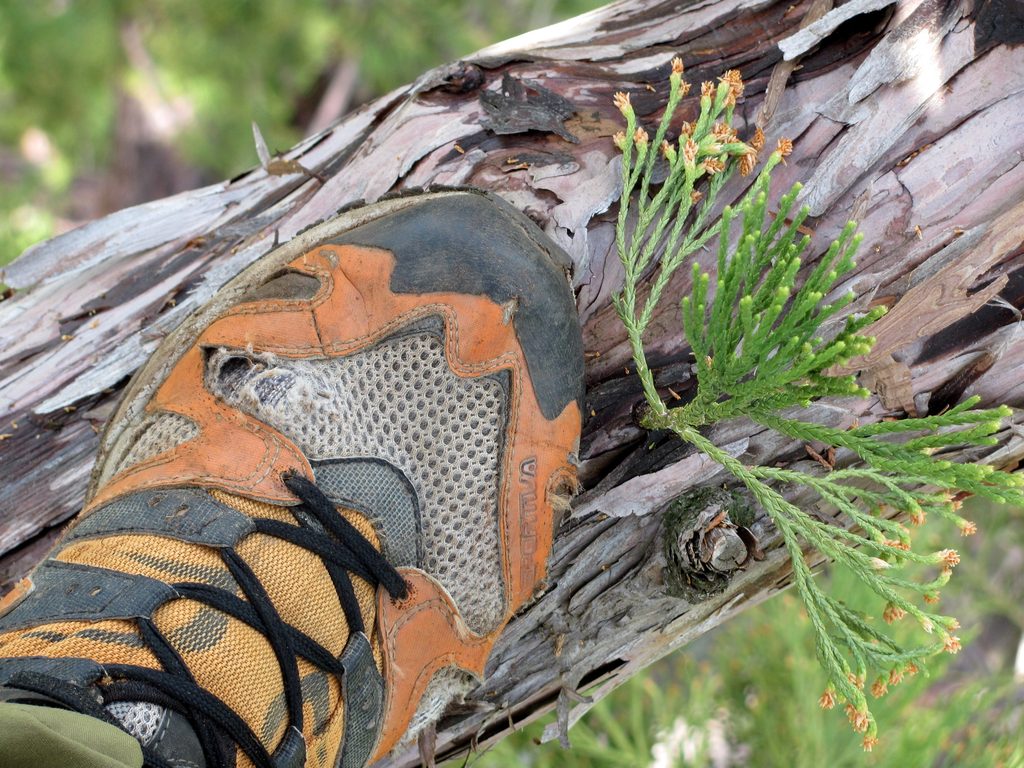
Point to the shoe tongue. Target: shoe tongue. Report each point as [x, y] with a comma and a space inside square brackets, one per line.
[167, 733]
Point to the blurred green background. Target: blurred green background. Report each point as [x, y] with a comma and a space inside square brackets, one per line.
[109, 103]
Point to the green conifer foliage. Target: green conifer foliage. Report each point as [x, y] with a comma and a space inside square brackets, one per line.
[758, 329]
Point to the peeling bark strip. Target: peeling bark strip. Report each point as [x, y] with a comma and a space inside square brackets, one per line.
[912, 116]
[523, 106]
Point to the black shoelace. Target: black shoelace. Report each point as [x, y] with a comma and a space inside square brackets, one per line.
[343, 550]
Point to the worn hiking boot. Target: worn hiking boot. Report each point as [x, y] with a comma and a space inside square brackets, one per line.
[322, 499]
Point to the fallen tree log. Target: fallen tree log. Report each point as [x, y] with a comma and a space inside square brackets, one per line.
[905, 117]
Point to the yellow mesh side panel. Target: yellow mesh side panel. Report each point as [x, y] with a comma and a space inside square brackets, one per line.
[231, 660]
[302, 591]
[107, 642]
[294, 601]
[253, 508]
[296, 580]
[157, 557]
[323, 716]
[228, 658]
[299, 587]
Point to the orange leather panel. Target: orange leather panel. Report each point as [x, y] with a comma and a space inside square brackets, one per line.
[420, 635]
[232, 452]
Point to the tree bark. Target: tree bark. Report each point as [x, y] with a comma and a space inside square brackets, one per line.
[906, 117]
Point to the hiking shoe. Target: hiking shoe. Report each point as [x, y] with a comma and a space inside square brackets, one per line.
[322, 498]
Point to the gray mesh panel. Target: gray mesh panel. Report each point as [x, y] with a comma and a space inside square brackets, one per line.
[382, 493]
[140, 718]
[158, 433]
[399, 402]
[181, 513]
[168, 733]
[72, 592]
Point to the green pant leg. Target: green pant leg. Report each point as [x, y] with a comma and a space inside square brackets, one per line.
[42, 737]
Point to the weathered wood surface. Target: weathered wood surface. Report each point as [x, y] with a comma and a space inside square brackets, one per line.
[909, 118]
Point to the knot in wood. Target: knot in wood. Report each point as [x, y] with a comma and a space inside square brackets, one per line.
[706, 541]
